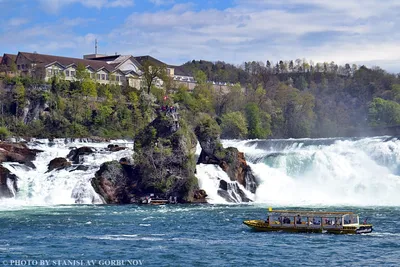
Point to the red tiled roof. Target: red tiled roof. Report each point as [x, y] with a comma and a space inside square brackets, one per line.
[65, 61]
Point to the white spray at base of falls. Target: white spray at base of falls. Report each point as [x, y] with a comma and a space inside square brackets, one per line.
[327, 172]
[39, 187]
[210, 176]
[303, 172]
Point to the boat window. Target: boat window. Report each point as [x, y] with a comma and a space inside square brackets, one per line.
[275, 220]
[350, 219]
[315, 220]
[287, 220]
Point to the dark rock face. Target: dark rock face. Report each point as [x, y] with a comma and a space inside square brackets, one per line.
[58, 164]
[165, 159]
[229, 159]
[231, 192]
[80, 168]
[7, 178]
[164, 165]
[200, 196]
[75, 154]
[115, 148]
[112, 182]
[18, 152]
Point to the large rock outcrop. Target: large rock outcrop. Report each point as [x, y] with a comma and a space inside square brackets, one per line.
[111, 182]
[17, 152]
[229, 159]
[75, 155]
[164, 165]
[58, 164]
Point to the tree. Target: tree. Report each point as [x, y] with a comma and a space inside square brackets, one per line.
[88, 88]
[291, 66]
[19, 95]
[200, 77]
[81, 72]
[383, 113]
[301, 83]
[233, 125]
[152, 72]
[255, 127]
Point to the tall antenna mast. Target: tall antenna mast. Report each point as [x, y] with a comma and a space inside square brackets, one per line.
[95, 47]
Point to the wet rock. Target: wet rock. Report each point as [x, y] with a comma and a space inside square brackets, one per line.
[115, 148]
[75, 154]
[200, 196]
[231, 192]
[18, 152]
[58, 164]
[233, 163]
[7, 179]
[110, 183]
[81, 168]
[126, 161]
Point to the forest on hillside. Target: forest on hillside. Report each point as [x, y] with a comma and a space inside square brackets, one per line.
[294, 99]
[302, 99]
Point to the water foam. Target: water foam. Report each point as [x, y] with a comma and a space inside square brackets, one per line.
[342, 172]
[38, 187]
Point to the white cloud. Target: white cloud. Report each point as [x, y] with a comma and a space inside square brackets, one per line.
[15, 22]
[54, 6]
[341, 31]
[77, 21]
[161, 2]
[121, 3]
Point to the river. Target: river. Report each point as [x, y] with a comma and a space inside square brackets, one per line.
[56, 219]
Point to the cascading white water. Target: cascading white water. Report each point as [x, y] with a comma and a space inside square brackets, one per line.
[325, 171]
[209, 179]
[290, 172]
[210, 176]
[39, 187]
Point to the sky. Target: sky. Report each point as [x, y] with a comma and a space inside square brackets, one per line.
[176, 31]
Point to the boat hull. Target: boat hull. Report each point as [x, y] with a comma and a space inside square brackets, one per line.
[262, 226]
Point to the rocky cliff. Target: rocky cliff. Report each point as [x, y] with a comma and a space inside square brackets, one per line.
[229, 159]
[164, 165]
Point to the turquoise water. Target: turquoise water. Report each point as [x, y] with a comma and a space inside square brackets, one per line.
[185, 235]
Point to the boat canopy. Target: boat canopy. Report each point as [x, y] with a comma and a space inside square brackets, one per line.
[305, 213]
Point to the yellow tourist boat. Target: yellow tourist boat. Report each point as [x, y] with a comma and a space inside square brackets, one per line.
[310, 222]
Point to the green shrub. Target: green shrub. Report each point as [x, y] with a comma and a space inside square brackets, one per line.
[4, 133]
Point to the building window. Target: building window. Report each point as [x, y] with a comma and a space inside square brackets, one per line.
[23, 66]
[169, 71]
[98, 76]
[107, 78]
[117, 78]
[92, 75]
[19, 67]
[49, 72]
[67, 73]
[103, 76]
[73, 73]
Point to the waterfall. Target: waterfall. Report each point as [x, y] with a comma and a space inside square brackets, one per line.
[355, 172]
[290, 172]
[66, 186]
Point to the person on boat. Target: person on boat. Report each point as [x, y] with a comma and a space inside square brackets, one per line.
[298, 219]
[286, 220]
[267, 220]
